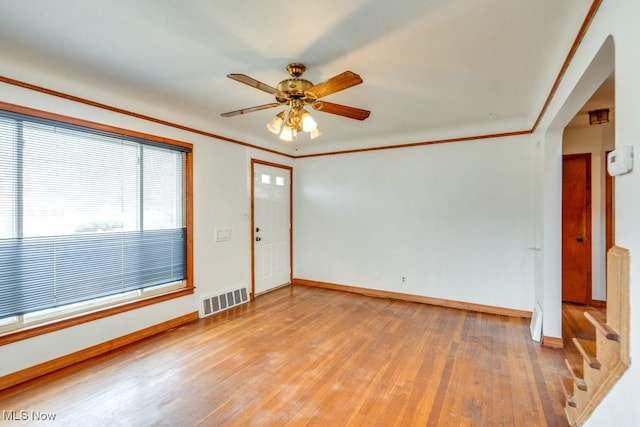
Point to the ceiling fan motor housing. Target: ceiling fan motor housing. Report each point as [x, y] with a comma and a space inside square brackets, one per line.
[295, 88]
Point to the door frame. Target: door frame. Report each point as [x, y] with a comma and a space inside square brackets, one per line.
[610, 195]
[253, 224]
[589, 223]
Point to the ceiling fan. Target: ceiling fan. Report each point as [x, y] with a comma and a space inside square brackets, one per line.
[297, 93]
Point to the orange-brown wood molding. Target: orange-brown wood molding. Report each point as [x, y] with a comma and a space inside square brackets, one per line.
[73, 320]
[576, 43]
[96, 350]
[415, 298]
[47, 91]
[572, 52]
[552, 342]
[41, 329]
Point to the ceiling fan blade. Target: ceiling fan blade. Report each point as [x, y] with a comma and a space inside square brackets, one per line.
[341, 110]
[334, 84]
[250, 109]
[250, 81]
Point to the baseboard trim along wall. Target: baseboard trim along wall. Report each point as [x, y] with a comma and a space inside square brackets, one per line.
[415, 298]
[96, 350]
[552, 342]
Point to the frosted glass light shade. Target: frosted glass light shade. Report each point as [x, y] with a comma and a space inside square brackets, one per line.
[308, 124]
[287, 133]
[275, 124]
[315, 133]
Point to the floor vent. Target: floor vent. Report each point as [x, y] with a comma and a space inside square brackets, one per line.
[223, 301]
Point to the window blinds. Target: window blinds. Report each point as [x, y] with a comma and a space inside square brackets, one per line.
[85, 214]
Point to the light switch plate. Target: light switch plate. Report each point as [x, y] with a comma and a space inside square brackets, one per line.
[223, 234]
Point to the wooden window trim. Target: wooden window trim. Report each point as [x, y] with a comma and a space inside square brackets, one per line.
[80, 318]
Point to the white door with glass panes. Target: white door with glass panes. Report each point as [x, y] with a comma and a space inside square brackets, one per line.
[272, 227]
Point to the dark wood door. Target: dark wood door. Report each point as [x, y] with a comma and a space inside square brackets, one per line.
[609, 209]
[576, 228]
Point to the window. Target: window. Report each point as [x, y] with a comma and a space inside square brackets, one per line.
[88, 219]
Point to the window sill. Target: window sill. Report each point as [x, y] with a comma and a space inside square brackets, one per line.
[73, 320]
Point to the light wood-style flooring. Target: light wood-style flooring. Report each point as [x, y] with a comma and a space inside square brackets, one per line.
[576, 325]
[318, 357]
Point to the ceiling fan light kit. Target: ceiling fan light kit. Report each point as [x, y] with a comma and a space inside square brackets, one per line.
[298, 120]
[296, 93]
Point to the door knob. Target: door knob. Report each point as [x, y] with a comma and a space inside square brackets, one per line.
[580, 239]
[257, 229]
[258, 239]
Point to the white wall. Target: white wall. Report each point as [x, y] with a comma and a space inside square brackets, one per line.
[584, 76]
[221, 184]
[455, 219]
[596, 140]
[588, 69]
[620, 18]
[222, 187]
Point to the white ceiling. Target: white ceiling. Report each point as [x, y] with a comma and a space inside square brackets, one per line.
[432, 69]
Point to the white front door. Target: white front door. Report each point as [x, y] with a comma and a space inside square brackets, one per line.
[272, 227]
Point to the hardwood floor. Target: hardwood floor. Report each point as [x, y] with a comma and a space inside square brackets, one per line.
[307, 356]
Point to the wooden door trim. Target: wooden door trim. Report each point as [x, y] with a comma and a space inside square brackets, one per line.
[254, 162]
[588, 220]
[610, 226]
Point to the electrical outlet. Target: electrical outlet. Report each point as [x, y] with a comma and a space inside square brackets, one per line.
[404, 280]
